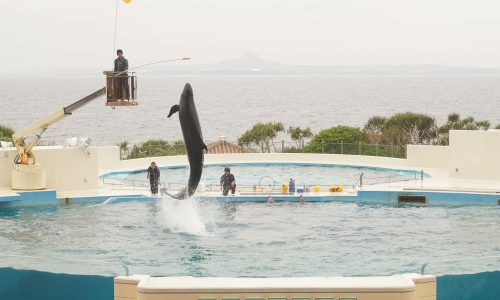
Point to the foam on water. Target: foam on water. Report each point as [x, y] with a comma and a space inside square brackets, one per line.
[181, 216]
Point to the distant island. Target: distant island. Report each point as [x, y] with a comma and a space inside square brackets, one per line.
[251, 63]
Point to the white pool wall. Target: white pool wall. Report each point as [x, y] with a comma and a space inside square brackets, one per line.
[67, 168]
[396, 287]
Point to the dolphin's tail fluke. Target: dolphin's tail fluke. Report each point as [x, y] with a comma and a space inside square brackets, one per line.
[173, 110]
[180, 195]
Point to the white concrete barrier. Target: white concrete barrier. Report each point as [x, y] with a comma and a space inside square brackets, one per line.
[67, 168]
[472, 155]
[397, 287]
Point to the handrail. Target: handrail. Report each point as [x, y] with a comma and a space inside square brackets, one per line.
[424, 265]
[208, 186]
[261, 185]
[125, 268]
[382, 150]
[360, 182]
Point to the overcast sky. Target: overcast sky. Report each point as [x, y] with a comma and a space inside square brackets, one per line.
[76, 34]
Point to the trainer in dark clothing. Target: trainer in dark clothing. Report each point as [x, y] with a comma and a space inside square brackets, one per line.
[227, 182]
[154, 178]
[121, 65]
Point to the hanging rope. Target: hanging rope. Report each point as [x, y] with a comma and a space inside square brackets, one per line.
[114, 36]
[114, 45]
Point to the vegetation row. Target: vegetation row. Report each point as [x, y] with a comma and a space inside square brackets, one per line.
[381, 136]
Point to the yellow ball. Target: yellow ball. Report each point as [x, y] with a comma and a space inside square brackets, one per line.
[127, 1]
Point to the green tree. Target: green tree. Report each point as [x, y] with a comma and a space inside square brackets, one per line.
[6, 133]
[123, 145]
[261, 135]
[455, 122]
[123, 149]
[498, 126]
[155, 148]
[409, 128]
[328, 140]
[374, 128]
[299, 135]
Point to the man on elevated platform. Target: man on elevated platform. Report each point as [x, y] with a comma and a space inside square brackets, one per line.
[120, 70]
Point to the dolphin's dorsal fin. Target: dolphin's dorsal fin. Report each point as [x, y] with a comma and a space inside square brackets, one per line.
[173, 110]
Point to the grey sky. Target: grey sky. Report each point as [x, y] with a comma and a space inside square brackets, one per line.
[75, 34]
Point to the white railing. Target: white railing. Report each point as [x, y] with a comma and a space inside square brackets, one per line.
[265, 184]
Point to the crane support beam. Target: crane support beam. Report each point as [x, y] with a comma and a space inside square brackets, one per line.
[78, 104]
[27, 174]
[56, 116]
[42, 123]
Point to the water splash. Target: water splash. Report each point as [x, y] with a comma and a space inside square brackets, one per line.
[109, 200]
[181, 216]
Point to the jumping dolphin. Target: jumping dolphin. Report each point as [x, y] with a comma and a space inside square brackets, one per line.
[193, 139]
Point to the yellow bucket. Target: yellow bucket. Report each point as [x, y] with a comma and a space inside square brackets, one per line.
[340, 188]
[284, 188]
[316, 188]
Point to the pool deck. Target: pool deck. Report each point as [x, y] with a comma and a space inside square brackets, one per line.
[437, 187]
[438, 190]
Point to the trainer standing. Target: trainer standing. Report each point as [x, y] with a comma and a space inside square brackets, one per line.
[154, 178]
[227, 182]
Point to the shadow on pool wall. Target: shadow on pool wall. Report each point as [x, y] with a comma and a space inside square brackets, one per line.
[31, 285]
[480, 286]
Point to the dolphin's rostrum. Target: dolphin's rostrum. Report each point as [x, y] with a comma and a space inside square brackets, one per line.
[193, 139]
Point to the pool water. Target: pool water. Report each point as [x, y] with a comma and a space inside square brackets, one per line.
[268, 175]
[210, 238]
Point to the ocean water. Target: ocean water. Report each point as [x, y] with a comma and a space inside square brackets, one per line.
[229, 105]
[208, 238]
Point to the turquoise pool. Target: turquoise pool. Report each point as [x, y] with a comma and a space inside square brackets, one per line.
[269, 175]
[352, 237]
[213, 238]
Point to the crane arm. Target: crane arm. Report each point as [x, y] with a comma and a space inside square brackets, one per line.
[43, 123]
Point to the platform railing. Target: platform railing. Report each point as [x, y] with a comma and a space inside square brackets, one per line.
[343, 148]
[142, 151]
[465, 265]
[267, 185]
[388, 179]
[178, 148]
[136, 184]
[116, 86]
[63, 265]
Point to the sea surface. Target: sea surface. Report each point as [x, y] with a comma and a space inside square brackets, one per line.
[229, 105]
